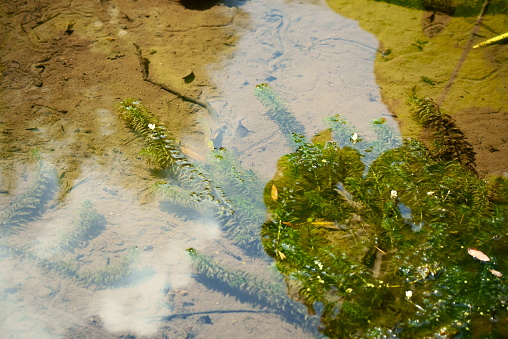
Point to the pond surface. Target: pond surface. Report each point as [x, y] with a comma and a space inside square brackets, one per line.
[97, 242]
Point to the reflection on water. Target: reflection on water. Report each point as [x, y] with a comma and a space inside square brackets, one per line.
[319, 62]
[90, 259]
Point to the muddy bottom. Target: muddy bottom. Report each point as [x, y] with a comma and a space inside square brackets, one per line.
[66, 65]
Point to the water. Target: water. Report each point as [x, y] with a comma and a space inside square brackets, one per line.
[319, 63]
[131, 273]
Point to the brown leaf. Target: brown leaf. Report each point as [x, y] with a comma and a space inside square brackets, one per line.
[275, 193]
[477, 254]
[287, 223]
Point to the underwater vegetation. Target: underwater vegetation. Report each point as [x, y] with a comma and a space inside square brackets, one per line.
[89, 225]
[33, 202]
[30, 205]
[449, 142]
[383, 248]
[219, 189]
[278, 113]
[261, 293]
[378, 238]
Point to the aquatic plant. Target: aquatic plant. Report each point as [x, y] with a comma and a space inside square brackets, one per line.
[386, 250]
[104, 277]
[259, 292]
[449, 143]
[165, 153]
[32, 203]
[89, 225]
[217, 189]
[161, 149]
[110, 275]
[278, 113]
[245, 195]
[344, 135]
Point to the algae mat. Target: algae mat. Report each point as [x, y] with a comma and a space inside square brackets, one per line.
[432, 52]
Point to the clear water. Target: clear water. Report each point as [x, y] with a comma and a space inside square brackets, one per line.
[130, 271]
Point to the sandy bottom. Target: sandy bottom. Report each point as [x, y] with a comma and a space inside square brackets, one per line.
[66, 65]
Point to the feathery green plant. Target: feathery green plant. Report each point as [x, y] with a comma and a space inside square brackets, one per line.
[68, 268]
[111, 274]
[33, 202]
[218, 189]
[89, 225]
[378, 235]
[262, 293]
[386, 249]
[449, 141]
[164, 152]
[278, 113]
[344, 135]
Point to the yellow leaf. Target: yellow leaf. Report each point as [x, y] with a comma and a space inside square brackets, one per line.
[275, 193]
[281, 255]
[477, 254]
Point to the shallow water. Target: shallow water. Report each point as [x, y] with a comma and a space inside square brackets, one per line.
[319, 63]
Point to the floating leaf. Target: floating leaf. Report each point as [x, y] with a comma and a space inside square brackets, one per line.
[477, 254]
[275, 193]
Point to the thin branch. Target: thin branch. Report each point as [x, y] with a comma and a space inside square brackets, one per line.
[144, 64]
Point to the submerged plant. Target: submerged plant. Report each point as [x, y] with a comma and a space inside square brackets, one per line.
[164, 152]
[111, 275]
[344, 135]
[386, 250]
[278, 113]
[218, 189]
[385, 239]
[259, 292]
[89, 225]
[33, 202]
[449, 141]
[55, 259]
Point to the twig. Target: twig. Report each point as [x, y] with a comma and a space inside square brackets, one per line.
[144, 64]
[465, 51]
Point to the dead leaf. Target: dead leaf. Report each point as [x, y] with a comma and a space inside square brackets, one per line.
[496, 273]
[193, 155]
[275, 193]
[287, 223]
[477, 254]
[281, 255]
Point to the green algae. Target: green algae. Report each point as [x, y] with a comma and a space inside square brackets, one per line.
[416, 44]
